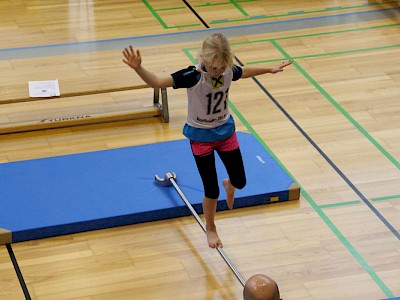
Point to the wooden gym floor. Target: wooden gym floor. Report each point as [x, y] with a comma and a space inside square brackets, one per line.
[332, 120]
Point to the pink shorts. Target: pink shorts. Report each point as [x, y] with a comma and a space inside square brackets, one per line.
[203, 148]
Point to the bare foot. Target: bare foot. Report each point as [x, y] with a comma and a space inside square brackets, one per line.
[230, 192]
[213, 239]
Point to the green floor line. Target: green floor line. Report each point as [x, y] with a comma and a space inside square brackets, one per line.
[189, 55]
[386, 198]
[338, 107]
[230, 2]
[334, 32]
[313, 204]
[319, 211]
[184, 26]
[171, 8]
[244, 13]
[224, 3]
[338, 204]
[327, 54]
[155, 14]
[316, 34]
[239, 8]
[378, 199]
[161, 21]
[271, 40]
[297, 13]
[347, 52]
[211, 4]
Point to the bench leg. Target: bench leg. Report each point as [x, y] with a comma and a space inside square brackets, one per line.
[163, 106]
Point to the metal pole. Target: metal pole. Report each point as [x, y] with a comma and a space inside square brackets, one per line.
[171, 177]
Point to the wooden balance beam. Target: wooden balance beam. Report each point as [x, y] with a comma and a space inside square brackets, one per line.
[158, 109]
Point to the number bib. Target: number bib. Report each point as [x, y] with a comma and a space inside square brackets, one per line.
[208, 101]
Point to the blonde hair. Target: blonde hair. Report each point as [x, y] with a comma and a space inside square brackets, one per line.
[216, 48]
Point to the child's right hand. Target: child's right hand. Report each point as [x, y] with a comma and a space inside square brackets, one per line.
[132, 59]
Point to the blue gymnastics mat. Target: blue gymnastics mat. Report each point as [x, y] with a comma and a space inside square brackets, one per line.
[80, 192]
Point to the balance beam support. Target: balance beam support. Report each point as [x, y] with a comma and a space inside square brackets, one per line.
[163, 106]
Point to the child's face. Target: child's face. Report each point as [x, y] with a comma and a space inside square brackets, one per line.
[216, 68]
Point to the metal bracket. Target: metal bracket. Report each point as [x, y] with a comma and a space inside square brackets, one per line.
[163, 106]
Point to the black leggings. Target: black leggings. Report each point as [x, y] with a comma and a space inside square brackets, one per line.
[233, 163]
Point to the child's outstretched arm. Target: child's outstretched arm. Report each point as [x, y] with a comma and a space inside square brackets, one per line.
[134, 60]
[250, 71]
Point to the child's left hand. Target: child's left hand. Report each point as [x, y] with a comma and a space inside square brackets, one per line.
[281, 66]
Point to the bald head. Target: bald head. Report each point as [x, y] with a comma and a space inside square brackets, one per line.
[261, 287]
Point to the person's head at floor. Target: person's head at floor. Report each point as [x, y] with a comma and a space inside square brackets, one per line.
[261, 287]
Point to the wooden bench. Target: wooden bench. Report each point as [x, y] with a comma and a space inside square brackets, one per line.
[49, 113]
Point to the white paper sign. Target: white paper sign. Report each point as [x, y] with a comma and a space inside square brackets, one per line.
[49, 88]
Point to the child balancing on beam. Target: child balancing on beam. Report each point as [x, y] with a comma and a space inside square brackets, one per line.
[209, 127]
